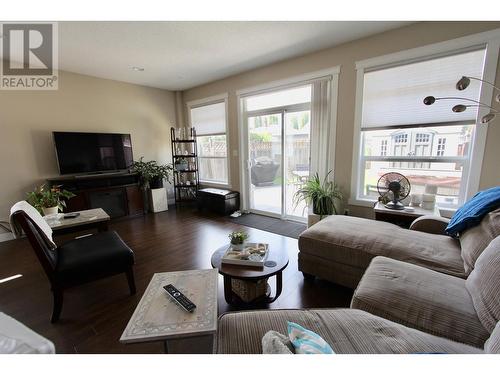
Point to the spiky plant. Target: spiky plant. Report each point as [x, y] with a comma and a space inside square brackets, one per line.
[322, 195]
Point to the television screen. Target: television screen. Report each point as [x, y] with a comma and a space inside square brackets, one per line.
[92, 152]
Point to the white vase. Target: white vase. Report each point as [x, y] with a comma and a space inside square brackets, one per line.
[238, 247]
[50, 210]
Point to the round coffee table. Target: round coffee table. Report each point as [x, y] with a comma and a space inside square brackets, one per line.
[248, 285]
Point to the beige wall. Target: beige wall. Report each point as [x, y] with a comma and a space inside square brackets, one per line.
[82, 103]
[412, 36]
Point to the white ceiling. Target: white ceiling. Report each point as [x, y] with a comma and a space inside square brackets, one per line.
[181, 55]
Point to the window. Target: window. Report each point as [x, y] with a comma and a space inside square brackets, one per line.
[441, 146]
[398, 133]
[383, 147]
[209, 120]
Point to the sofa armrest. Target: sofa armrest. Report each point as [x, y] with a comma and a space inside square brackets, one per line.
[430, 224]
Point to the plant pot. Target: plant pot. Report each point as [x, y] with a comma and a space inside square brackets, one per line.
[50, 210]
[181, 166]
[325, 203]
[238, 246]
[158, 201]
[156, 183]
[314, 218]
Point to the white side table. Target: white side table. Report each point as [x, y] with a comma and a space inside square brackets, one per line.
[158, 199]
[401, 217]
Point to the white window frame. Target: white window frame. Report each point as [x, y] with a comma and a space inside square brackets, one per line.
[204, 102]
[491, 41]
[283, 84]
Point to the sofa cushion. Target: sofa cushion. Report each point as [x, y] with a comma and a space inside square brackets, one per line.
[355, 241]
[88, 257]
[474, 240]
[346, 331]
[484, 285]
[492, 345]
[420, 298]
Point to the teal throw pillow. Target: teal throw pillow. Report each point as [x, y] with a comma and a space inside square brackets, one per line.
[307, 342]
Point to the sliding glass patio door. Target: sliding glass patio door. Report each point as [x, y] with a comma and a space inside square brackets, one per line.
[265, 148]
[278, 144]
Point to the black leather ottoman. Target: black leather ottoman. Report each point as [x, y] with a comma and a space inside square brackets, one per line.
[222, 202]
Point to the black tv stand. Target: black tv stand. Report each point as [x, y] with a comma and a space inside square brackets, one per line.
[118, 193]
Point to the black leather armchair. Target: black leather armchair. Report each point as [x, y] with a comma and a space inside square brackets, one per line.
[78, 261]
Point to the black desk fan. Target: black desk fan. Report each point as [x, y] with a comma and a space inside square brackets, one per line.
[398, 185]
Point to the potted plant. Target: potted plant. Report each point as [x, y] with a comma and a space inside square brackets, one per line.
[324, 196]
[151, 174]
[160, 173]
[238, 239]
[181, 164]
[48, 201]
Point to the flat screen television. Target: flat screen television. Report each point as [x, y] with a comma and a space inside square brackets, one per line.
[86, 153]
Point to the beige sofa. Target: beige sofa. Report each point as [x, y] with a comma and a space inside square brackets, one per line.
[340, 248]
[407, 309]
[461, 310]
[347, 331]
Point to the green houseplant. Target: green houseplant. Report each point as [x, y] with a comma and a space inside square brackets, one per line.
[49, 200]
[322, 195]
[238, 239]
[181, 164]
[151, 173]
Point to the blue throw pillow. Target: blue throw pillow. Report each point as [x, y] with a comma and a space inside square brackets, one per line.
[473, 211]
[307, 342]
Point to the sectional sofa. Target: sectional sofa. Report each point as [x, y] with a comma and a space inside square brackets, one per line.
[428, 293]
[340, 248]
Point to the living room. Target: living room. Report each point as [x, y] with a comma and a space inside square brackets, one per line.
[322, 187]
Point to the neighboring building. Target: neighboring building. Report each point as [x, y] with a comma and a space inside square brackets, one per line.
[419, 144]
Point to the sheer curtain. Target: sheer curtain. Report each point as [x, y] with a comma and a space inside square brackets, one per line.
[321, 132]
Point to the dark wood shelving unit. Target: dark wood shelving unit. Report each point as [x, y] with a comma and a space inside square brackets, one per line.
[183, 192]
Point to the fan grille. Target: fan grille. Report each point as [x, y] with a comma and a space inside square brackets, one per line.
[387, 182]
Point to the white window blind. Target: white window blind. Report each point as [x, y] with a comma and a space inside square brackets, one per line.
[394, 96]
[209, 119]
[288, 97]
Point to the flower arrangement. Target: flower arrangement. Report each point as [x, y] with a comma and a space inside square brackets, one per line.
[238, 238]
[47, 200]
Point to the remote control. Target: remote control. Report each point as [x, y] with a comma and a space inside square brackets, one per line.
[71, 215]
[180, 298]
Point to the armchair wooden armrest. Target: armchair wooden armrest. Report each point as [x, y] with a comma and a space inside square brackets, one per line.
[430, 224]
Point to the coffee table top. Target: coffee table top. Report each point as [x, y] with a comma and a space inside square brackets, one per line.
[277, 255]
[158, 317]
[93, 215]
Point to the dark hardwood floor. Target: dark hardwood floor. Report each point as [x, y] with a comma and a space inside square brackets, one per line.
[94, 315]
